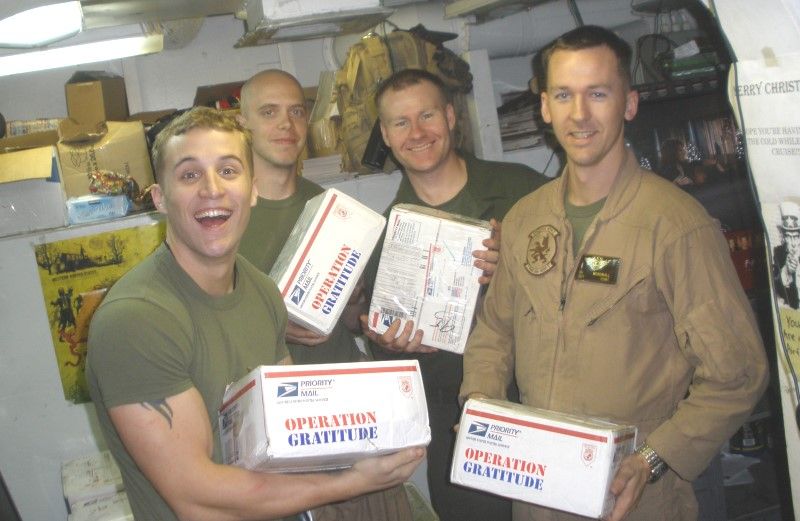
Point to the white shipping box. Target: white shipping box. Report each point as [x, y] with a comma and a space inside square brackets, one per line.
[322, 416]
[426, 274]
[543, 457]
[90, 477]
[323, 258]
[110, 508]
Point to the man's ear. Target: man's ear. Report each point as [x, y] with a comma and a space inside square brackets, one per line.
[384, 133]
[254, 194]
[545, 108]
[158, 198]
[240, 119]
[631, 104]
[450, 112]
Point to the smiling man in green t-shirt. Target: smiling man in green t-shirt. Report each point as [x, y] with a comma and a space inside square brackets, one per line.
[188, 320]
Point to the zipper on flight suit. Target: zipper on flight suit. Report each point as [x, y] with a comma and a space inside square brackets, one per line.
[566, 267]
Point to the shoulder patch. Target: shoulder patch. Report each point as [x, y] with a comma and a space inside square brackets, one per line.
[542, 248]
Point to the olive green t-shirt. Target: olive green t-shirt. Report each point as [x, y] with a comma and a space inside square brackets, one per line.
[158, 334]
[271, 222]
[581, 217]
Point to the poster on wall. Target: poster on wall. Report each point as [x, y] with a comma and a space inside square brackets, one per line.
[75, 275]
[769, 97]
[766, 91]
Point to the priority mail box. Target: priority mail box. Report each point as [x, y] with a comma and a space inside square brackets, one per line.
[543, 457]
[426, 274]
[324, 256]
[322, 416]
[90, 477]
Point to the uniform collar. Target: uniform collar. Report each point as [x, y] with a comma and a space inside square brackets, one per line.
[623, 190]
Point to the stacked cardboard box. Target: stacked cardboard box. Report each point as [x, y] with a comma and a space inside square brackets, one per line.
[101, 153]
[109, 508]
[92, 486]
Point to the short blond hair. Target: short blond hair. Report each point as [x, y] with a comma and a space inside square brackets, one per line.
[203, 118]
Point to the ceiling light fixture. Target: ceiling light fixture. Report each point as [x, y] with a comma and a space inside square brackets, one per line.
[41, 25]
[99, 51]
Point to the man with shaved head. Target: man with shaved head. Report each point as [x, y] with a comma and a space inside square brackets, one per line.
[273, 109]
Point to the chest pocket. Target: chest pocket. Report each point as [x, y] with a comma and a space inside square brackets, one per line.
[630, 297]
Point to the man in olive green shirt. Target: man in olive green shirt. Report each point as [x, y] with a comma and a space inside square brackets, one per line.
[273, 108]
[417, 120]
[160, 357]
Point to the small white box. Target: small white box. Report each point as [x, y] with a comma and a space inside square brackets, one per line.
[90, 208]
[110, 508]
[90, 477]
[322, 416]
[324, 256]
[426, 274]
[543, 457]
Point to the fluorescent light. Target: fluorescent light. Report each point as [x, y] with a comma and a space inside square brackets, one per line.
[79, 54]
[41, 25]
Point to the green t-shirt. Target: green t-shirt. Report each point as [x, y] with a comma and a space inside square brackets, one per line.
[580, 217]
[271, 222]
[158, 334]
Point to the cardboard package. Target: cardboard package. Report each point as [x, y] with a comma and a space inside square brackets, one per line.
[96, 96]
[323, 258]
[110, 158]
[31, 194]
[426, 274]
[110, 508]
[90, 477]
[543, 457]
[322, 416]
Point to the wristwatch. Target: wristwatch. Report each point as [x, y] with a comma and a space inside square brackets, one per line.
[657, 465]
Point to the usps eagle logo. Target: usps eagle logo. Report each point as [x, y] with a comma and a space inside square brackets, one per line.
[588, 454]
[297, 295]
[287, 389]
[478, 429]
[542, 249]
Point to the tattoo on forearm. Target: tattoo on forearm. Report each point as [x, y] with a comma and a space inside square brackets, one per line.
[162, 407]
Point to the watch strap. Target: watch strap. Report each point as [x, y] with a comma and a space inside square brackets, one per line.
[657, 465]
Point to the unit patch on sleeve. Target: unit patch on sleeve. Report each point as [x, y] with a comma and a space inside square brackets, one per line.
[596, 268]
[542, 249]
